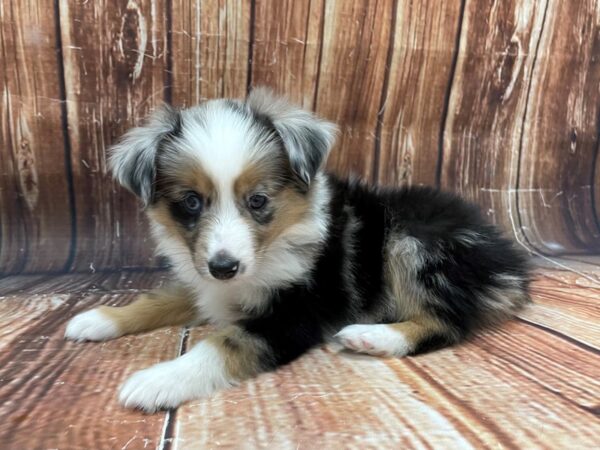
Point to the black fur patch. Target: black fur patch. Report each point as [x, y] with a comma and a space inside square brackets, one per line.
[152, 172]
[302, 315]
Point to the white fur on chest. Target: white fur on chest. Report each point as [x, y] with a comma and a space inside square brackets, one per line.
[224, 303]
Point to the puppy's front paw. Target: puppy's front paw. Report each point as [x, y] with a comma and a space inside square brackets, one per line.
[196, 374]
[378, 340]
[159, 387]
[91, 326]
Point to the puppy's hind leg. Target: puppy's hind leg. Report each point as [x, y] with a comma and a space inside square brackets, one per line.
[156, 309]
[397, 339]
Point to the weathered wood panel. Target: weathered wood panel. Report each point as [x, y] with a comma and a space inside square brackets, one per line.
[525, 379]
[488, 101]
[352, 76]
[286, 46]
[420, 75]
[596, 185]
[560, 142]
[509, 120]
[498, 390]
[35, 214]
[113, 282]
[115, 60]
[58, 394]
[566, 301]
[210, 49]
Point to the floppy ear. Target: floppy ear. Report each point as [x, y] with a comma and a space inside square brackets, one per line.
[306, 138]
[133, 159]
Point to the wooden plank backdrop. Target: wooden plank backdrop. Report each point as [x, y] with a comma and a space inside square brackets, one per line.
[495, 99]
[36, 207]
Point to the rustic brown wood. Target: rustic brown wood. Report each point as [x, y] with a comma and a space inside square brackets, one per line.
[584, 265]
[210, 50]
[567, 302]
[506, 386]
[115, 60]
[35, 215]
[94, 283]
[536, 373]
[509, 120]
[560, 142]
[352, 74]
[57, 394]
[498, 390]
[420, 75]
[596, 183]
[488, 100]
[286, 46]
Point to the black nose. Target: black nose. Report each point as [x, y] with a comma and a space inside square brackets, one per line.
[223, 267]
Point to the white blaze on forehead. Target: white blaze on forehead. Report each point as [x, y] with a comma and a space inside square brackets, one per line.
[223, 139]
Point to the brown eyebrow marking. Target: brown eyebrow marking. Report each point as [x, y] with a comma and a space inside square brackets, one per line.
[251, 177]
[265, 173]
[182, 174]
[290, 208]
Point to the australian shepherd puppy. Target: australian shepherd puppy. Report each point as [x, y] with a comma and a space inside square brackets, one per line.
[283, 256]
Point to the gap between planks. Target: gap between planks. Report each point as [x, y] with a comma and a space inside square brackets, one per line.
[168, 435]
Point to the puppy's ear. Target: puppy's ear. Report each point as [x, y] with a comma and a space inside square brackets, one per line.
[133, 159]
[306, 138]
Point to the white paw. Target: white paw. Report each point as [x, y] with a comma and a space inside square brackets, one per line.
[380, 340]
[91, 326]
[158, 387]
[196, 374]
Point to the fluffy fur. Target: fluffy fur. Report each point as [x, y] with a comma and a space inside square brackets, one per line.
[284, 256]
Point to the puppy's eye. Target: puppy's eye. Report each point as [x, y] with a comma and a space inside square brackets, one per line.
[192, 204]
[257, 201]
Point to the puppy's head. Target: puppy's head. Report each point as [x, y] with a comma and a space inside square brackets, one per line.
[224, 180]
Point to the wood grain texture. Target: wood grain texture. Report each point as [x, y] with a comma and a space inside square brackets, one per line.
[115, 60]
[506, 386]
[353, 71]
[498, 390]
[83, 283]
[286, 48]
[35, 214]
[210, 49]
[58, 394]
[567, 302]
[596, 185]
[420, 75]
[560, 142]
[532, 383]
[488, 100]
[497, 100]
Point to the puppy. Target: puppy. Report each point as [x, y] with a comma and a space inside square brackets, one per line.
[283, 256]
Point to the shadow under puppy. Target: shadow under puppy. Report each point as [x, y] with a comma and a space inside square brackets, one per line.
[284, 256]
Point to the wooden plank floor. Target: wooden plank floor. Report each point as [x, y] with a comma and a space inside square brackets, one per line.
[533, 383]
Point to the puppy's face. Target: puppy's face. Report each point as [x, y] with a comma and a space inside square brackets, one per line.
[225, 186]
[224, 180]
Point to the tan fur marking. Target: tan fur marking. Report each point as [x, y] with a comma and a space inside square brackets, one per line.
[156, 309]
[289, 205]
[159, 212]
[251, 177]
[240, 350]
[184, 176]
[263, 173]
[290, 208]
[421, 328]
